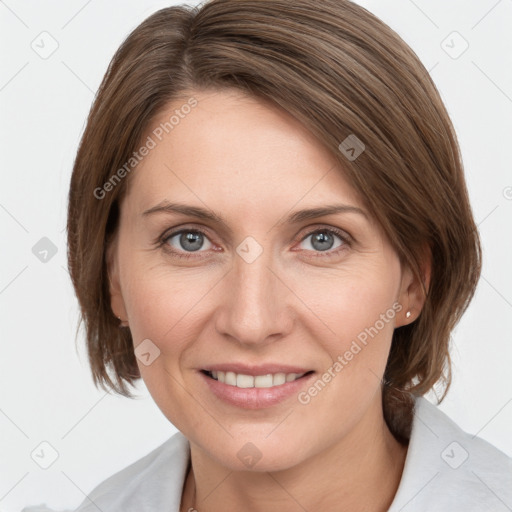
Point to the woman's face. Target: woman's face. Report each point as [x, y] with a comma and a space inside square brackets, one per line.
[256, 287]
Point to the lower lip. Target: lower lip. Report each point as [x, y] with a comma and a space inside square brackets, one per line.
[255, 398]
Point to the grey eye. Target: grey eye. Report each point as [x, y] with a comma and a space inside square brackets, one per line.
[188, 240]
[322, 240]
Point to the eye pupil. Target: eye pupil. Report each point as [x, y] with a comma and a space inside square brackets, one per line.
[195, 239]
[324, 239]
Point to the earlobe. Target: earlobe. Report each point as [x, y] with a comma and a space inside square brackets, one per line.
[414, 290]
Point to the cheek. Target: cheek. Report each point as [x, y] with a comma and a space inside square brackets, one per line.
[360, 311]
[162, 310]
[355, 303]
[167, 307]
[357, 309]
[368, 313]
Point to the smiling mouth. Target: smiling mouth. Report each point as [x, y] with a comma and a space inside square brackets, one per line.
[243, 381]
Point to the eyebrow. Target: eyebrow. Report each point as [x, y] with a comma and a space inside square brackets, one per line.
[294, 218]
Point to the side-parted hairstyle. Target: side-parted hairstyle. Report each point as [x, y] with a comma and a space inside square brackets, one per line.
[341, 72]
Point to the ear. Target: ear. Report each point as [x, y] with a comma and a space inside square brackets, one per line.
[412, 295]
[116, 296]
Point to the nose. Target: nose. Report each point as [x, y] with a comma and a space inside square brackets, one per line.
[256, 308]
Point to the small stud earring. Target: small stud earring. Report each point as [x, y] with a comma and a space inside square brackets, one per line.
[408, 314]
[123, 323]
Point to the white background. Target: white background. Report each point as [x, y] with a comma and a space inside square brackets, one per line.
[46, 392]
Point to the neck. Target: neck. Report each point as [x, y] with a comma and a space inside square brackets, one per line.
[361, 472]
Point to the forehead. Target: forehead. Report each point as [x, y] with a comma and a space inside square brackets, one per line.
[232, 151]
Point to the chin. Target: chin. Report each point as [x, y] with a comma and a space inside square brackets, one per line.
[257, 454]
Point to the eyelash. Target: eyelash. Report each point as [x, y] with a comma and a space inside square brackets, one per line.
[344, 237]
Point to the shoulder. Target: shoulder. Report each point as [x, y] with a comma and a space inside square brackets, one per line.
[449, 469]
[153, 482]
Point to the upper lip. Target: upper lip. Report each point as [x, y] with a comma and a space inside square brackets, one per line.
[256, 370]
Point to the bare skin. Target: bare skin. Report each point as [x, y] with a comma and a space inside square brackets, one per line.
[297, 304]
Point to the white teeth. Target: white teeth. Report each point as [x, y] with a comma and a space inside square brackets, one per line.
[279, 378]
[230, 378]
[263, 381]
[248, 381]
[244, 381]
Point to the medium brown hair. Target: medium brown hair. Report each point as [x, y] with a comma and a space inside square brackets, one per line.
[340, 71]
